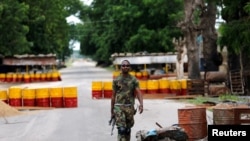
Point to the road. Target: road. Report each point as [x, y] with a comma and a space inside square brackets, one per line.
[89, 120]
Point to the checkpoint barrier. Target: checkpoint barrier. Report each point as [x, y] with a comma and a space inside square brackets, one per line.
[19, 77]
[4, 96]
[42, 97]
[2, 77]
[107, 89]
[138, 75]
[56, 97]
[15, 96]
[143, 86]
[14, 77]
[164, 85]
[27, 78]
[43, 77]
[103, 89]
[48, 76]
[8, 77]
[70, 96]
[97, 89]
[175, 87]
[145, 75]
[116, 73]
[37, 76]
[152, 86]
[29, 97]
[183, 86]
[30, 77]
[55, 76]
[132, 73]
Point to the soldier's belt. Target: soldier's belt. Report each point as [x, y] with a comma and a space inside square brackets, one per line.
[118, 104]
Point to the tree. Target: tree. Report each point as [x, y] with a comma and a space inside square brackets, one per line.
[13, 31]
[199, 18]
[49, 30]
[36, 27]
[235, 34]
[180, 47]
[130, 26]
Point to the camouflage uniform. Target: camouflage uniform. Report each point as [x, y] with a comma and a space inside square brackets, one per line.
[124, 110]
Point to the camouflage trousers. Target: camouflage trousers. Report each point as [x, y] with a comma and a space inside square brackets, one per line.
[124, 116]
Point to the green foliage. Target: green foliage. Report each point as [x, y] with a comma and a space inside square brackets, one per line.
[228, 97]
[198, 100]
[29, 26]
[235, 34]
[247, 8]
[13, 31]
[36, 27]
[48, 28]
[129, 26]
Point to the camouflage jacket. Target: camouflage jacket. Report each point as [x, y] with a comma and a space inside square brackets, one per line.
[124, 87]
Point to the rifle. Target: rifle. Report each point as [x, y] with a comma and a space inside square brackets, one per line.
[112, 122]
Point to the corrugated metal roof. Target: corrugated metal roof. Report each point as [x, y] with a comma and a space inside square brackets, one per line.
[146, 58]
[34, 56]
[30, 59]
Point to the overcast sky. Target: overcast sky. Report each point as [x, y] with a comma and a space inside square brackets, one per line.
[72, 18]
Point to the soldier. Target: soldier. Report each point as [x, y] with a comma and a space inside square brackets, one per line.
[125, 90]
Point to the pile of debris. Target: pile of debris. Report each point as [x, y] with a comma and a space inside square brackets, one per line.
[7, 111]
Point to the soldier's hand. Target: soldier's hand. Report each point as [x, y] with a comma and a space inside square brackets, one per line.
[112, 113]
[140, 109]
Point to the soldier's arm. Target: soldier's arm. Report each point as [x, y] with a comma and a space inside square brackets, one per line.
[112, 103]
[113, 98]
[140, 99]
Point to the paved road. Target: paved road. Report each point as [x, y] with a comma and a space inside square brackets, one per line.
[87, 122]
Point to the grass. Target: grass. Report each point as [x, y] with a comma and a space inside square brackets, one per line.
[221, 98]
[229, 97]
[198, 100]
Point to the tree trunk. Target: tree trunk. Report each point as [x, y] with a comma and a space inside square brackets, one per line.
[207, 26]
[189, 30]
[180, 47]
[193, 55]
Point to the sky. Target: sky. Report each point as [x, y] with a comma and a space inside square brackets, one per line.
[72, 19]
